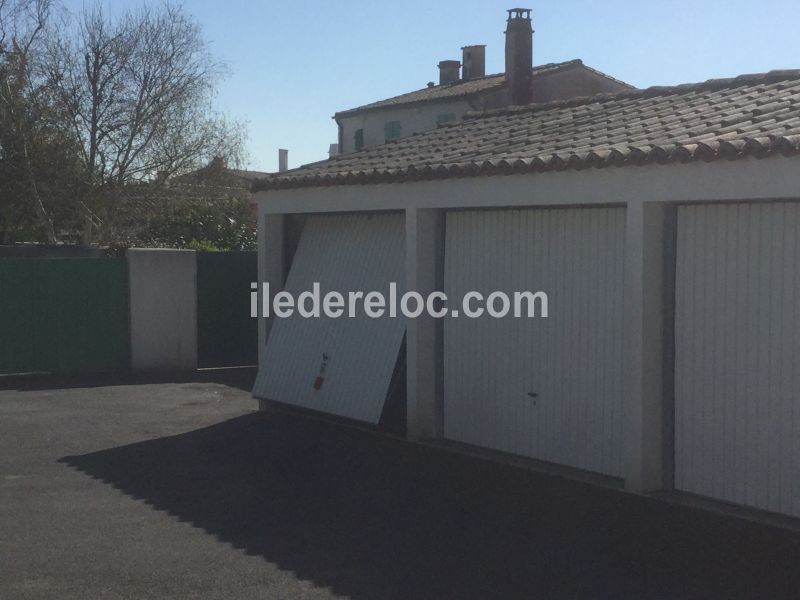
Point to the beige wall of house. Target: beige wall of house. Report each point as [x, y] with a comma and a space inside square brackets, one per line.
[421, 117]
[560, 84]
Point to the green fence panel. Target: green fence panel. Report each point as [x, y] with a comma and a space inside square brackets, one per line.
[226, 334]
[17, 314]
[75, 318]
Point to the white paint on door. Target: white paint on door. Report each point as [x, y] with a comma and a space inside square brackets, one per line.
[737, 335]
[550, 388]
[343, 365]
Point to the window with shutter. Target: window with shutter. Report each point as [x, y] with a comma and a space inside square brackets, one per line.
[391, 130]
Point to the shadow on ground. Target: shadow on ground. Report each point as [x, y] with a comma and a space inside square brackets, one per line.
[375, 517]
[236, 377]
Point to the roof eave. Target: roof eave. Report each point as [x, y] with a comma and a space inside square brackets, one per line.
[757, 148]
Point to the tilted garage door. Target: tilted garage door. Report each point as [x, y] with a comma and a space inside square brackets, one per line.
[343, 365]
[737, 335]
[544, 388]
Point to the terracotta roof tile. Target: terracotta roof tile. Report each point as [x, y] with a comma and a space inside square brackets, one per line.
[724, 118]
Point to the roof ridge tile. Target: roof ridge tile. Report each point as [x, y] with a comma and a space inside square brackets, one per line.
[649, 92]
[465, 87]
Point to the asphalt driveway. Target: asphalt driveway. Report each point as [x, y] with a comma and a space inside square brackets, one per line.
[131, 489]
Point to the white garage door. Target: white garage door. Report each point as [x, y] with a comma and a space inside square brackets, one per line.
[737, 335]
[343, 365]
[545, 388]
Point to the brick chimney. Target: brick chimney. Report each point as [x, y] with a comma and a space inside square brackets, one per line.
[519, 55]
[448, 71]
[473, 62]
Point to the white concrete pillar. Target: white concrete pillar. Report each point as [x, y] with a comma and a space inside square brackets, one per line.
[163, 308]
[424, 265]
[646, 404]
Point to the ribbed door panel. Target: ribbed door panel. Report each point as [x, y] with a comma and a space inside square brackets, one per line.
[544, 388]
[343, 253]
[737, 334]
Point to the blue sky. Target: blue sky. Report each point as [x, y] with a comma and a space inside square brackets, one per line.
[293, 64]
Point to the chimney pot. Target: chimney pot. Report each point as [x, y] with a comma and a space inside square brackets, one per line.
[519, 55]
[473, 61]
[448, 71]
[283, 160]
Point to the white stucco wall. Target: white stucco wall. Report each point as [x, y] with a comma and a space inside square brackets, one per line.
[745, 179]
[163, 308]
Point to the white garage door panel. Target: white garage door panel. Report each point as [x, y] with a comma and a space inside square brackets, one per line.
[344, 253]
[737, 369]
[571, 361]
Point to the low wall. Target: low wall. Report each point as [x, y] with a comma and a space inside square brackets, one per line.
[51, 251]
[163, 308]
[156, 309]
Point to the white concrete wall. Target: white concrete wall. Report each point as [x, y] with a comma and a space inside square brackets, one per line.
[746, 179]
[163, 308]
[424, 274]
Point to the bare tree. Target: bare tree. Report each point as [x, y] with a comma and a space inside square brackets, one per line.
[138, 92]
[21, 24]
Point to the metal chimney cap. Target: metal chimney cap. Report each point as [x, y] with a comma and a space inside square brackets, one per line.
[519, 13]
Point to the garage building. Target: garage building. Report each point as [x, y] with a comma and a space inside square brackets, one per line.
[664, 226]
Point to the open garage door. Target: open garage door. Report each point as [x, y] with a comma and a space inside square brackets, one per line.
[343, 365]
[549, 388]
[737, 342]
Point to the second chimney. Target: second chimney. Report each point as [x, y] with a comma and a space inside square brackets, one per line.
[473, 62]
[519, 55]
[283, 160]
[448, 71]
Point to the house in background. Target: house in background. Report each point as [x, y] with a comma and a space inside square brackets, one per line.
[218, 180]
[214, 186]
[471, 89]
